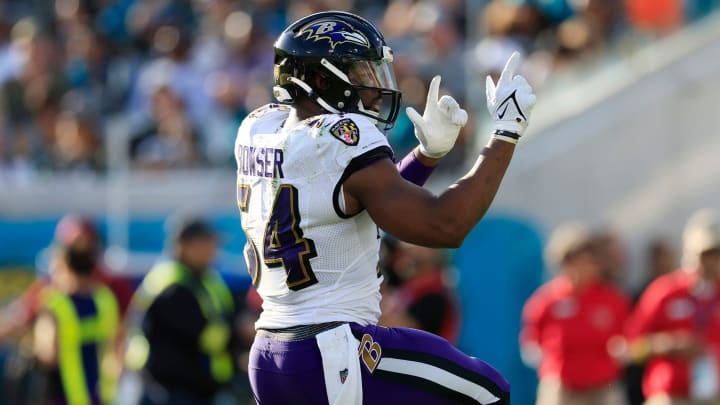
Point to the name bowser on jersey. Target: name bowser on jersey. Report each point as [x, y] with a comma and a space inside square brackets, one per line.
[316, 178]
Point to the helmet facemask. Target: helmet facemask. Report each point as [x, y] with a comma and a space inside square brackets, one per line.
[372, 83]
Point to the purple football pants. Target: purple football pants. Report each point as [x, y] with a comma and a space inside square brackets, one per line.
[399, 365]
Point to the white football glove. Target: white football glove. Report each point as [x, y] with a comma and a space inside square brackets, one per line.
[510, 102]
[440, 124]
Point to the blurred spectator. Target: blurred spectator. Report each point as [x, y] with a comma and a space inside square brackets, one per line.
[605, 17]
[75, 145]
[425, 299]
[655, 16]
[76, 331]
[443, 53]
[661, 260]
[38, 85]
[442, 49]
[612, 256]
[30, 100]
[16, 319]
[181, 336]
[569, 323]
[185, 72]
[593, 25]
[520, 22]
[171, 140]
[11, 58]
[676, 326]
[236, 48]
[76, 232]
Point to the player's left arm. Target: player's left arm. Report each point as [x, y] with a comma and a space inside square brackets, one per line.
[436, 130]
[415, 215]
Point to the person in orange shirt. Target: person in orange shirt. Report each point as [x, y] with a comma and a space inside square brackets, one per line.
[655, 16]
[676, 324]
[569, 322]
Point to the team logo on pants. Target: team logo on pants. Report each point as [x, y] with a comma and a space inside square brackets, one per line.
[370, 352]
[343, 376]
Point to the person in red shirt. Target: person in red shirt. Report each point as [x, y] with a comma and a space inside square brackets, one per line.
[569, 322]
[676, 324]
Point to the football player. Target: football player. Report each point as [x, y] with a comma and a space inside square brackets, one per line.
[316, 179]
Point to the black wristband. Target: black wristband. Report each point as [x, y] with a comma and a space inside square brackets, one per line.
[507, 134]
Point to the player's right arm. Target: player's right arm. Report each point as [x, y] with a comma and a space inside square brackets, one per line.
[415, 215]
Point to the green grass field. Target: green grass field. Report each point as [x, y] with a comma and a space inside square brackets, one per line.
[13, 281]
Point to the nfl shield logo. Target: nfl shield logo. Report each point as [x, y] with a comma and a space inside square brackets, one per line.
[343, 376]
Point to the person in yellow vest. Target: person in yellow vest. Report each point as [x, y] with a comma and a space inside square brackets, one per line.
[75, 333]
[180, 327]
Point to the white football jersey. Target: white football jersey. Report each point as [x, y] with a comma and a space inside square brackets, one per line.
[311, 263]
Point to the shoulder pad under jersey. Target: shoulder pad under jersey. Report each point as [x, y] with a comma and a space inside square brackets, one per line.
[268, 108]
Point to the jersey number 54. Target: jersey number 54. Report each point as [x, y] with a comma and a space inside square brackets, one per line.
[283, 243]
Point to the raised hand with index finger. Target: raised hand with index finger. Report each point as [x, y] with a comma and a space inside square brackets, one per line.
[439, 126]
[510, 101]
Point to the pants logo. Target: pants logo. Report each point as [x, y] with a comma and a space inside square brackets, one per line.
[369, 352]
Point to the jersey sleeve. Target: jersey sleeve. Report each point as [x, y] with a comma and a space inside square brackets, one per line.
[356, 139]
[356, 144]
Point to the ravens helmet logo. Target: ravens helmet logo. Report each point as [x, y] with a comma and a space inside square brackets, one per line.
[336, 32]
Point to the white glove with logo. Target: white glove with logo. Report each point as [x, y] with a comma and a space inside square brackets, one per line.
[440, 124]
[510, 102]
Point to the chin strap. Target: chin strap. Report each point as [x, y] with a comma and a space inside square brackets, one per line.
[370, 113]
[313, 95]
[284, 96]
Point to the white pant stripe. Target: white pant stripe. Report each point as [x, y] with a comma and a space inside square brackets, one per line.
[439, 376]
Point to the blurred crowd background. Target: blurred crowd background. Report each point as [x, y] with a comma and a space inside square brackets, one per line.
[92, 88]
[181, 74]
